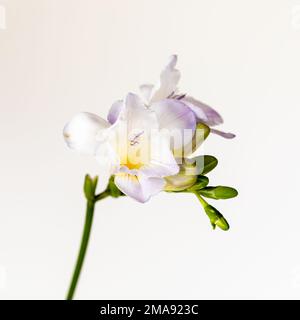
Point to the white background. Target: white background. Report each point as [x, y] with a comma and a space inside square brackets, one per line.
[59, 57]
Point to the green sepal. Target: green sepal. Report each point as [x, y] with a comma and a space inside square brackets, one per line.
[203, 164]
[113, 190]
[219, 192]
[201, 183]
[209, 163]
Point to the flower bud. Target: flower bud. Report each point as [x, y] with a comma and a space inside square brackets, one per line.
[216, 218]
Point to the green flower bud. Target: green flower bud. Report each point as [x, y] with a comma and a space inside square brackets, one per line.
[219, 192]
[201, 133]
[90, 186]
[216, 218]
[201, 183]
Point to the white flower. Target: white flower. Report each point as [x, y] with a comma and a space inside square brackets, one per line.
[134, 146]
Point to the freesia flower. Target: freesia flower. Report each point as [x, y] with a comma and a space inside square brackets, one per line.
[129, 132]
[135, 147]
[144, 147]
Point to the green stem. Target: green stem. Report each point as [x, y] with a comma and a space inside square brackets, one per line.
[215, 217]
[84, 242]
[202, 201]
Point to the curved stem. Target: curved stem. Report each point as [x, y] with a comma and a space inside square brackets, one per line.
[202, 201]
[84, 243]
[89, 190]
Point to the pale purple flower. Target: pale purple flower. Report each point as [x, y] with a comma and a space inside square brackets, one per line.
[119, 146]
[133, 145]
[167, 88]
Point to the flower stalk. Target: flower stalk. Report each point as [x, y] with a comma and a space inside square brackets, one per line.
[83, 248]
[215, 217]
[89, 190]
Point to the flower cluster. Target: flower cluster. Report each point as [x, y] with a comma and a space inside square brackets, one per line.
[146, 145]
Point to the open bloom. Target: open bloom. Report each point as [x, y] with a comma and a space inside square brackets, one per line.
[167, 88]
[141, 142]
[135, 148]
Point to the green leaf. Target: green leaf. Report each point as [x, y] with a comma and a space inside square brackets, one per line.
[90, 187]
[219, 192]
[201, 182]
[204, 163]
[210, 163]
[216, 218]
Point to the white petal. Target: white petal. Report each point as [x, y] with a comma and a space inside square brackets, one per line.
[137, 116]
[130, 134]
[169, 79]
[104, 173]
[138, 187]
[146, 92]
[162, 162]
[107, 158]
[203, 112]
[81, 132]
[115, 111]
[151, 186]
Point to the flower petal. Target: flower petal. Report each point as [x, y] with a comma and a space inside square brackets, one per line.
[137, 116]
[169, 79]
[81, 132]
[146, 92]
[108, 164]
[115, 111]
[174, 114]
[139, 187]
[162, 161]
[203, 112]
[130, 135]
[107, 158]
[178, 123]
[223, 134]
